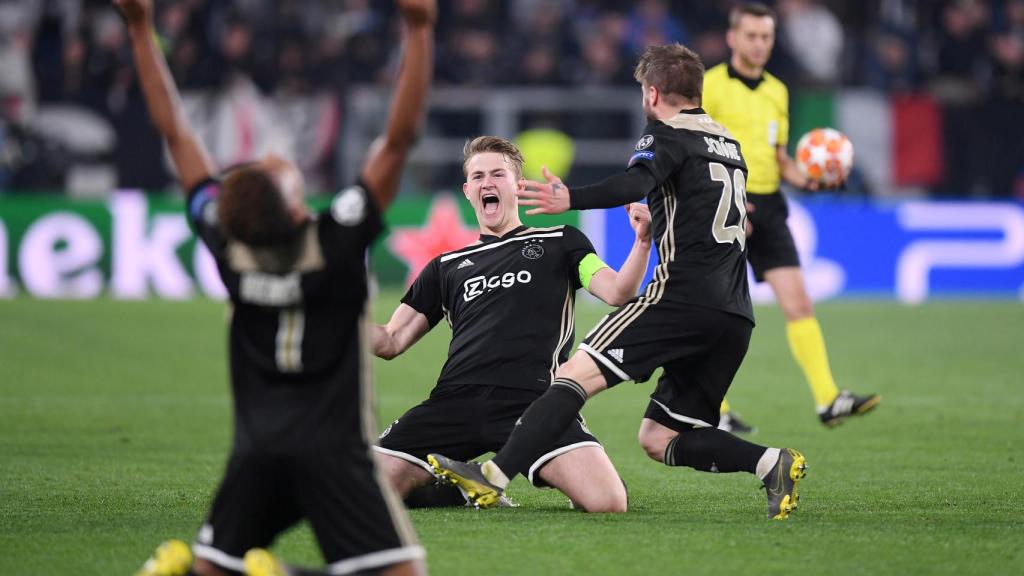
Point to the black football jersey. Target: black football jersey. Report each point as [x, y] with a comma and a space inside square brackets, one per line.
[510, 302]
[698, 212]
[295, 344]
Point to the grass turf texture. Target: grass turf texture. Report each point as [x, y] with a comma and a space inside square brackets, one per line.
[115, 425]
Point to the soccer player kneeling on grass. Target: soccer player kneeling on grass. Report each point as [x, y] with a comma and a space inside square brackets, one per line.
[297, 286]
[694, 318]
[510, 300]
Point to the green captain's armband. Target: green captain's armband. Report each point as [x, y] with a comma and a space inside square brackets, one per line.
[588, 267]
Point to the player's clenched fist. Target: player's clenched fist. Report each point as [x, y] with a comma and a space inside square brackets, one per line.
[418, 12]
[640, 219]
[136, 12]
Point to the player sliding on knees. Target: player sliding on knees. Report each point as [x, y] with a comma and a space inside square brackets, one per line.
[509, 299]
[694, 318]
[297, 286]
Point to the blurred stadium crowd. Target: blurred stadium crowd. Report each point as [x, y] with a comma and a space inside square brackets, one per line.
[262, 74]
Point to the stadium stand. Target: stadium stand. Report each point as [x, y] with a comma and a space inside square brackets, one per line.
[920, 82]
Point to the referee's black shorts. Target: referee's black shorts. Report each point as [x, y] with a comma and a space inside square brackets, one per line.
[771, 245]
[699, 348]
[464, 422]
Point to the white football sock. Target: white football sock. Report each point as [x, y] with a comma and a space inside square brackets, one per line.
[768, 461]
[494, 474]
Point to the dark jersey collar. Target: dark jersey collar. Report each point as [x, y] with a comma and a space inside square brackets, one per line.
[485, 238]
[695, 111]
[751, 83]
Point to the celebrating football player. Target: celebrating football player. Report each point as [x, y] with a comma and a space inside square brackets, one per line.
[510, 301]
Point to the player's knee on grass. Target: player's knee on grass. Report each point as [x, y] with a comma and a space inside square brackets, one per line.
[588, 478]
[607, 501]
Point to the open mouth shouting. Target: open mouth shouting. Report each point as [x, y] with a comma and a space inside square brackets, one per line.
[490, 203]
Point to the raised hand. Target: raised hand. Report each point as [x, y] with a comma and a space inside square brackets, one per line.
[551, 197]
[418, 12]
[136, 12]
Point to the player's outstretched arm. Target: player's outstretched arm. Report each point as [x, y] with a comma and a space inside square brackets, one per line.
[552, 197]
[404, 329]
[190, 157]
[382, 168]
[616, 288]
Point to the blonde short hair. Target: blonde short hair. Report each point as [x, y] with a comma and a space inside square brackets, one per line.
[483, 144]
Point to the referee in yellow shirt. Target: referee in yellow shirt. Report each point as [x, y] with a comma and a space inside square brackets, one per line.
[754, 106]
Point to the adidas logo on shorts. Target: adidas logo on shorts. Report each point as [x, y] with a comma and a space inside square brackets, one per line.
[465, 263]
[616, 353]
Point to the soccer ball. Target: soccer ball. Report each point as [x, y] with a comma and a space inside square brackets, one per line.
[825, 155]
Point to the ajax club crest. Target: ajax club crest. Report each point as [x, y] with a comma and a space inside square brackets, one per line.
[533, 251]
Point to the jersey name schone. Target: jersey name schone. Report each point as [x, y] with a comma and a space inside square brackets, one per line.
[698, 212]
[510, 302]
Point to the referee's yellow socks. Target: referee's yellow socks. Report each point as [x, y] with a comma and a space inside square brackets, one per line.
[808, 347]
[725, 406]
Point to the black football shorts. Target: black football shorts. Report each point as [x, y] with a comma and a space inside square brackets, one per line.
[771, 245]
[358, 524]
[465, 422]
[699, 348]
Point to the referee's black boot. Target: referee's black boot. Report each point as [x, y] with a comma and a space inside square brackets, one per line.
[847, 404]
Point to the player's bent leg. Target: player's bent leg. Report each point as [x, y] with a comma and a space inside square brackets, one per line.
[404, 476]
[654, 438]
[582, 369]
[587, 476]
[712, 450]
[546, 419]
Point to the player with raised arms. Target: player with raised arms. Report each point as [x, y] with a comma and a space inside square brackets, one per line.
[297, 285]
[510, 301]
[694, 318]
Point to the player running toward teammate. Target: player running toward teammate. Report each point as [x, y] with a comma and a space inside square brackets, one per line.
[694, 318]
[510, 301]
[754, 106]
[297, 286]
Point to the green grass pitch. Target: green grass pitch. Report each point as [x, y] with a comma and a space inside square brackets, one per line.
[115, 424]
